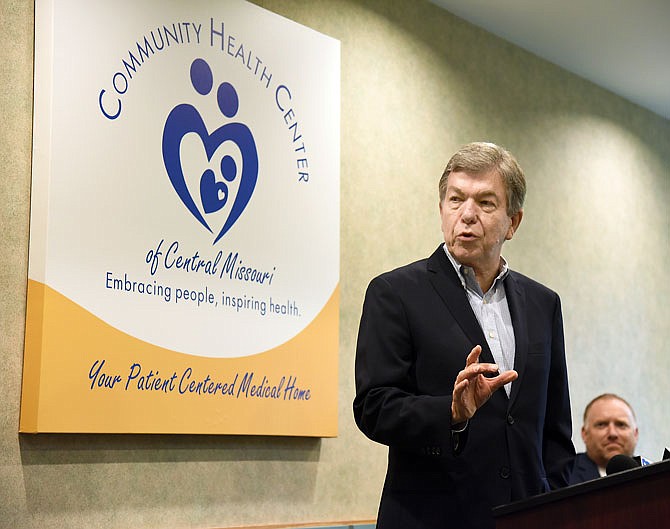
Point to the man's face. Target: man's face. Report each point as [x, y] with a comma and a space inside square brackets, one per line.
[474, 217]
[609, 430]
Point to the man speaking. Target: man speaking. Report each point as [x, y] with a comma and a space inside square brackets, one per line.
[460, 363]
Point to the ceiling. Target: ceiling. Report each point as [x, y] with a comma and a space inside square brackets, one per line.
[621, 45]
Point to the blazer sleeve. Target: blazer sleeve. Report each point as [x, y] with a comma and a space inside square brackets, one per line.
[558, 444]
[388, 408]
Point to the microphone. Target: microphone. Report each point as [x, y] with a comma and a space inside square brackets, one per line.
[619, 463]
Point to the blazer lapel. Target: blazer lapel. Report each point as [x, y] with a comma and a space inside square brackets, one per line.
[516, 300]
[446, 282]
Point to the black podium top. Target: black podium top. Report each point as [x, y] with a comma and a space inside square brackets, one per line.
[591, 488]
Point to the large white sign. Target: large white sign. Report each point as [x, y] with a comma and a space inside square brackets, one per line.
[185, 218]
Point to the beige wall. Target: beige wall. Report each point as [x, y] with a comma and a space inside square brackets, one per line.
[416, 84]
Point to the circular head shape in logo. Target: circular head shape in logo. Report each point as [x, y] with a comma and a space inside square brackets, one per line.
[214, 189]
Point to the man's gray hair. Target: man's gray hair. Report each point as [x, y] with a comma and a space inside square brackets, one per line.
[481, 157]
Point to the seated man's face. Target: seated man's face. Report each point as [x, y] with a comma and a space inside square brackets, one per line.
[609, 429]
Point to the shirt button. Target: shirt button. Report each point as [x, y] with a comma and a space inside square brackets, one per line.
[510, 420]
[504, 472]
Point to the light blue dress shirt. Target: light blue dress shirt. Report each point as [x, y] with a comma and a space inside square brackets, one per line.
[492, 313]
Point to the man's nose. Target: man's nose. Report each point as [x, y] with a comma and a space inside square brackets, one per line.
[469, 212]
[612, 431]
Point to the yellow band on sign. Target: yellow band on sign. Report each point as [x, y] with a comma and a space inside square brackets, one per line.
[100, 379]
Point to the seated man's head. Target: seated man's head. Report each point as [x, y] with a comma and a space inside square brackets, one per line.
[609, 429]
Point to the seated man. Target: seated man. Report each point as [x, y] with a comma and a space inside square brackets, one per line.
[609, 429]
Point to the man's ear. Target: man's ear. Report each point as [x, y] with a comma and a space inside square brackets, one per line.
[516, 220]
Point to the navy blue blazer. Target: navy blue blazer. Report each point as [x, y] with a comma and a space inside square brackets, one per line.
[582, 469]
[416, 330]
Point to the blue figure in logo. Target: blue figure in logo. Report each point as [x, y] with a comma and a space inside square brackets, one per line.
[214, 191]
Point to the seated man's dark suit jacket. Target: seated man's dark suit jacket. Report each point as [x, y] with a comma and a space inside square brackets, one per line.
[582, 469]
[417, 327]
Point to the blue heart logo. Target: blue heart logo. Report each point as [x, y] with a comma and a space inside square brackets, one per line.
[213, 194]
[214, 189]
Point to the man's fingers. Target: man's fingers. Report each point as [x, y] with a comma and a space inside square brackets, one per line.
[474, 370]
[459, 406]
[473, 357]
[460, 386]
[510, 375]
[502, 379]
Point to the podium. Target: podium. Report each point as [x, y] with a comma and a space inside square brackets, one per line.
[636, 498]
